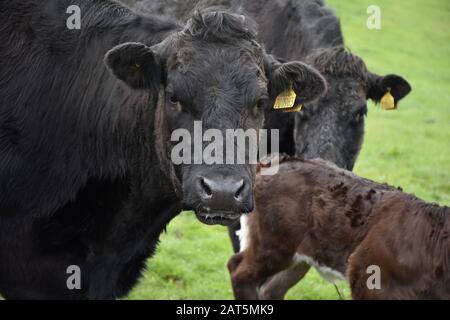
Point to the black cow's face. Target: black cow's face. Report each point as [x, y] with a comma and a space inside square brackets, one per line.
[225, 87]
[215, 72]
[332, 128]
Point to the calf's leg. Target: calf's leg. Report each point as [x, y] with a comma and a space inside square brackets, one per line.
[242, 280]
[249, 269]
[276, 287]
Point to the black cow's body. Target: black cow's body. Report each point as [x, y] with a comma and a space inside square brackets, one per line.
[80, 180]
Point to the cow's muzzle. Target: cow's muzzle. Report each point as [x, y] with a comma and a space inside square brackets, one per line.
[222, 199]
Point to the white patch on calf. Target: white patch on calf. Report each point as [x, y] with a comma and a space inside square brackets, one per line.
[243, 233]
[325, 272]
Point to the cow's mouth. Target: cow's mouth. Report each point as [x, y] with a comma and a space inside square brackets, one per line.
[223, 217]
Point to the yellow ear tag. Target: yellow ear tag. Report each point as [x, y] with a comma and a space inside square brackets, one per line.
[285, 100]
[388, 102]
[297, 108]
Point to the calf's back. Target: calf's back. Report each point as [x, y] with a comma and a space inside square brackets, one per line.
[347, 223]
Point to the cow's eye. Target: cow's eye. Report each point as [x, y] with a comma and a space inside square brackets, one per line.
[171, 95]
[262, 103]
[177, 107]
[260, 106]
[173, 100]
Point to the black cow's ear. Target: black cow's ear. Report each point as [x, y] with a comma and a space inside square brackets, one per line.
[378, 86]
[306, 81]
[135, 64]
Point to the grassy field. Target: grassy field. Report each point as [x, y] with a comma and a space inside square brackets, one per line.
[408, 148]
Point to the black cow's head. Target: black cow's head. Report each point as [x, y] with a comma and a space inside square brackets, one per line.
[214, 72]
[332, 127]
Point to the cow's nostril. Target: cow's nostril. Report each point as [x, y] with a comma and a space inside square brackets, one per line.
[205, 187]
[238, 193]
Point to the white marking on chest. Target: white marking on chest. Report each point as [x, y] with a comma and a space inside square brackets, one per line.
[243, 233]
[325, 272]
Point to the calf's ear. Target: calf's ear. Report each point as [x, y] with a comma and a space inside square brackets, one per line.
[306, 81]
[136, 65]
[378, 86]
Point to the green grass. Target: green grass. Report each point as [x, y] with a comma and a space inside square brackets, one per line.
[408, 147]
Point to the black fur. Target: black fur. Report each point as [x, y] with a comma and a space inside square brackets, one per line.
[80, 180]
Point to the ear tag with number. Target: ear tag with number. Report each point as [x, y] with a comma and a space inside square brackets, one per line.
[286, 101]
[388, 101]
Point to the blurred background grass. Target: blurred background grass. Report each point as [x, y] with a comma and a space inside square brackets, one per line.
[408, 147]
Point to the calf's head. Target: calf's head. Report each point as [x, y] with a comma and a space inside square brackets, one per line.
[332, 127]
[215, 72]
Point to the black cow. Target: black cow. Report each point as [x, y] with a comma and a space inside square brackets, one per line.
[85, 177]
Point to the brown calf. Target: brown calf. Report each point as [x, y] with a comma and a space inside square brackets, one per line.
[313, 213]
